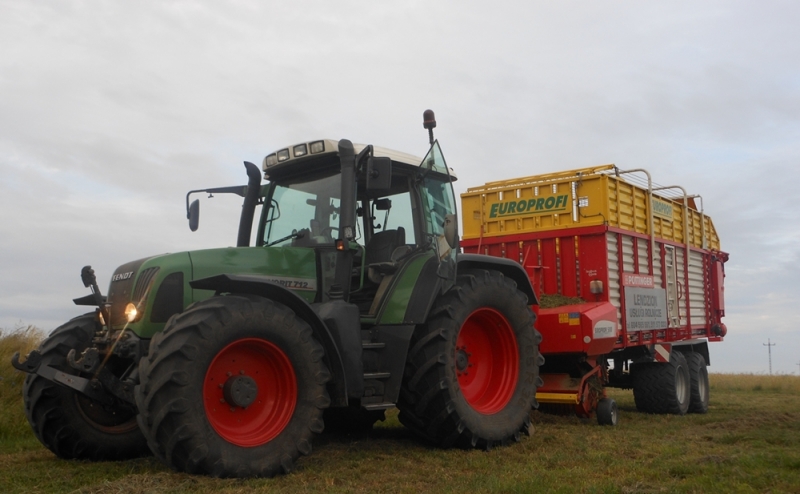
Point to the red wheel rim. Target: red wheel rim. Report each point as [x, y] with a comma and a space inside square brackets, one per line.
[487, 360]
[273, 406]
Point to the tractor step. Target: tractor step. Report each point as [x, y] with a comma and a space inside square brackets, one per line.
[370, 345]
[379, 406]
[377, 375]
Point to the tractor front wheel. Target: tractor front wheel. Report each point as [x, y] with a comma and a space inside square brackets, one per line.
[233, 387]
[70, 424]
[473, 368]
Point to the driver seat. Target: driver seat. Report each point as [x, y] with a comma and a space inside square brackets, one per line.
[380, 256]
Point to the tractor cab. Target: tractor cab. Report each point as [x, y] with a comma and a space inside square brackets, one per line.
[366, 219]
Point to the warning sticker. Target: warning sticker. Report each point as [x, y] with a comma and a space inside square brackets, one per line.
[605, 329]
[571, 318]
[645, 308]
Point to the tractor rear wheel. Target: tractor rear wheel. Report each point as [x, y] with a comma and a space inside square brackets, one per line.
[66, 422]
[698, 377]
[662, 387]
[473, 368]
[233, 387]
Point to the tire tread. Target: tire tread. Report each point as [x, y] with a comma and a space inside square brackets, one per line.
[174, 430]
[428, 402]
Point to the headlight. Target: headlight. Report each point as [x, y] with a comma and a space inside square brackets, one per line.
[300, 150]
[131, 312]
[317, 147]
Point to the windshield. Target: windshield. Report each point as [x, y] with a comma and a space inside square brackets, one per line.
[303, 212]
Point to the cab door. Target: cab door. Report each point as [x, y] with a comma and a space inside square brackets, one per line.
[439, 210]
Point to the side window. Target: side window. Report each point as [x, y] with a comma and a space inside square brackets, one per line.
[439, 203]
[438, 197]
[399, 215]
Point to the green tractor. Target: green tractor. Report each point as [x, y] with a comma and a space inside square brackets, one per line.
[352, 299]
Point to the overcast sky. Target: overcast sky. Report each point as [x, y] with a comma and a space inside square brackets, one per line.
[111, 111]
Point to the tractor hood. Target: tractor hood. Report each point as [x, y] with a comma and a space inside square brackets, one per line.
[145, 293]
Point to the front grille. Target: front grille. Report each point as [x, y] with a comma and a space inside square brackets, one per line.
[120, 291]
[145, 279]
[169, 298]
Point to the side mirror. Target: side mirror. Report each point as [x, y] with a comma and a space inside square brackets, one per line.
[451, 230]
[379, 174]
[194, 215]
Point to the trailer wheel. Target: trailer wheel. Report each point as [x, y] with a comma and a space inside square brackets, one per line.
[70, 424]
[607, 412]
[233, 387]
[473, 368]
[698, 377]
[662, 387]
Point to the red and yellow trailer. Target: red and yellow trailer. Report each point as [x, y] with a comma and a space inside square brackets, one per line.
[629, 277]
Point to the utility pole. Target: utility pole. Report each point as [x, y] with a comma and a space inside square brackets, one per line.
[769, 348]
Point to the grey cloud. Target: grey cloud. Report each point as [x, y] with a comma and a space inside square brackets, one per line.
[110, 113]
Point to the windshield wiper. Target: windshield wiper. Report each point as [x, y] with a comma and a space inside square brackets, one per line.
[299, 234]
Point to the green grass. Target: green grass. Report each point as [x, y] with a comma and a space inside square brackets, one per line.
[748, 442]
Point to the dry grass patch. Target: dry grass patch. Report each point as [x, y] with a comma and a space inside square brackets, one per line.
[746, 443]
[13, 424]
[755, 382]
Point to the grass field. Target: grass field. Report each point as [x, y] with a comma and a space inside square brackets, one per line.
[748, 442]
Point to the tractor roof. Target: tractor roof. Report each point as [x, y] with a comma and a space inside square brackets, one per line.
[330, 147]
[325, 148]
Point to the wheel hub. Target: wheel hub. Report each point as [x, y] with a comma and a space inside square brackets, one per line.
[462, 359]
[250, 392]
[240, 391]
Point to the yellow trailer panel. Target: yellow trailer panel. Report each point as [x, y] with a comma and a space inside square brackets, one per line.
[603, 195]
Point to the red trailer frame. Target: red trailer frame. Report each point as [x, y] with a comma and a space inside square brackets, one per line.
[629, 281]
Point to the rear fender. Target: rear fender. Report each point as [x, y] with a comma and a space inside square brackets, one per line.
[693, 347]
[428, 284]
[261, 286]
[510, 269]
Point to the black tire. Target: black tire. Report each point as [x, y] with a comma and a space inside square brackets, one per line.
[698, 377]
[607, 412]
[67, 422]
[439, 400]
[206, 355]
[662, 387]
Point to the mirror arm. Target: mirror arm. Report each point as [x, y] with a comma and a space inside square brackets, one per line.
[367, 151]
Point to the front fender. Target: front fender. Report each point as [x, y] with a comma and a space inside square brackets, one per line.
[261, 286]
